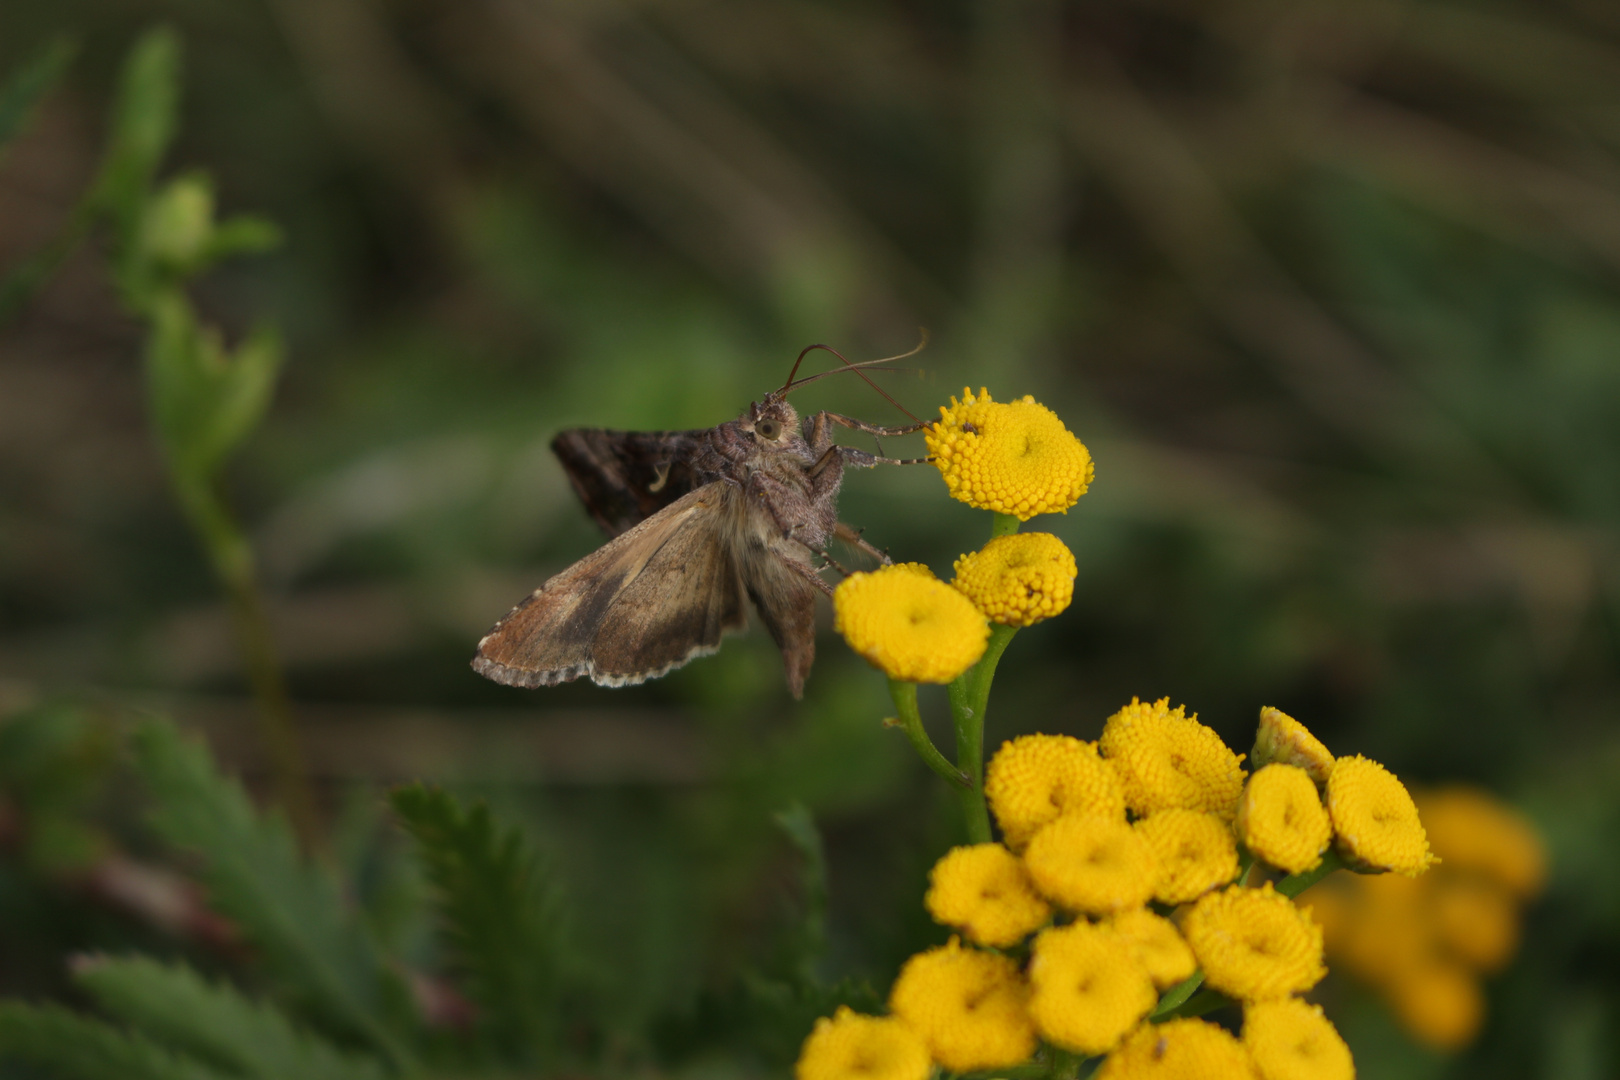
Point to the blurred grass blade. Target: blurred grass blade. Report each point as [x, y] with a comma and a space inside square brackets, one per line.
[800, 828]
[78, 1048]
[215, 1022]
[24, 90]
[501, 917]
[291, 911]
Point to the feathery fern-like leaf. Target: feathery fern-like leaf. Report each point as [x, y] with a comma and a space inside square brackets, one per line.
[75, 1047]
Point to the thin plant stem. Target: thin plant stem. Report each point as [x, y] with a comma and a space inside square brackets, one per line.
[1294, 884]
[905, 701]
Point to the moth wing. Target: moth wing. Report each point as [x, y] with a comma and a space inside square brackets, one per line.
[624, 477]
[786, 602]
[644, 603]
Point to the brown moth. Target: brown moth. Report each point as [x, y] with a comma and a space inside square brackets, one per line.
[698, 520]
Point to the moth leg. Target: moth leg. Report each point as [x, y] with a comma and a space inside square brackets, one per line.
[832, 562]
[850, 535]
[808, 572]
[870, 429]
[860, 459]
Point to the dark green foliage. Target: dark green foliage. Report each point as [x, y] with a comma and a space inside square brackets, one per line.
[23, 90]
[501, 918]
[75, 1048]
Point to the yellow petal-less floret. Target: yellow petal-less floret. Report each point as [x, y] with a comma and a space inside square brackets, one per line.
[1473, 830]
[1087, 987]
[1290, 1039]
[1283, 739]
[1375, 821]
[970, 1007]
[850, 1046]
[909, 625]
[1196, 853]
[1158, 944]
[1254, 944]
[1475, 919]
[1092, 864]
[1018, 580]
[1169, 760]
[1034, 779]
[1185, 1049]
[985, 892]
[1014, 458]
[1282, 820]
[1439, 1003]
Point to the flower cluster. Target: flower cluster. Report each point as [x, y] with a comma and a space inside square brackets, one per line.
[1425, 943]
[1013, 458]
[1060, 942]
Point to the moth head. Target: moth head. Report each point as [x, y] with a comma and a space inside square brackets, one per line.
[773, 420]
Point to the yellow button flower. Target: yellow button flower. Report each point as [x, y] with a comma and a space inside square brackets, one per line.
[1439, 1003]
[1282, 820]
[1375, 822]
[850, 1046]
[1092, 864]
[1184, 1049]
[1254, 944]
[1018, 580]
[1166, 759]
[1476, 919]
[1290, 1039]
[1281, 738]
[1087, 987]
[1034, 779]
[1158, 944]
[970, 1007]
[1474, 830]
[1196, 853]
[985, 891]
[1015, 458]
[909, 624]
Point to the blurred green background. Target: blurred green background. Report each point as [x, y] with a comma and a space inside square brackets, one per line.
[1331, 290]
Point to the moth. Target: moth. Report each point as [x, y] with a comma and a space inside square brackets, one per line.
[697, 520]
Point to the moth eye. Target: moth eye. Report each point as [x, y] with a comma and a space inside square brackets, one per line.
[769, 428]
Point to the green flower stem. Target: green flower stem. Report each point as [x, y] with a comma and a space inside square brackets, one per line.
[1004, 525]
[905, 700]
[970, 696]
[232, 559]
[1294, 884]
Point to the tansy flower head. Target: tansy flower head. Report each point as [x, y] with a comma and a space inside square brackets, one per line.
[1096, 865]
[1290, 1039]
[1018, 580]
[985, 891]
[1476, 919]
[1281, 818]
[1281, 738]
[1375, 822]
[910, 625]
[1015, 458]
[849, 1046]
[1166, 759]
[1036, 778]
[1439, 1002]
[1254, 943]
[1376, 927]
[1087, 987]
[1196, 853]
[1475, 831]
[1158, 944]
[1184, 1049]
[970, 1007]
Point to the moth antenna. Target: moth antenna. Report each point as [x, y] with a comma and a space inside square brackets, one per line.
[791, 385]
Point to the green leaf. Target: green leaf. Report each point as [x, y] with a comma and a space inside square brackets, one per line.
[215, 1022]
[242, 393]
[79, 1048]
[24, 90]
[292, 912]
[501, 917]
[143, 124]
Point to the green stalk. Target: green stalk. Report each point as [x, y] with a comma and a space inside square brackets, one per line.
[905, 701]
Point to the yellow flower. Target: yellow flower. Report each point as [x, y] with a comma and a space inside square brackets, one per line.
[970, 1007]
[1281, 818]
[1158, 944]
[1087, 987]
[1439, 1003]
[1377, 927]
[1035, 778]
[1375, 821]
[849, 1046]
[1183, 1049]
[1290, 1039]
[1166, 759]
[1283, 739]
[1254, 943]
[1475, 919]
[1096, 865]
[985, 891]
[1018, 580]
[912, 626]
[1196, 853]
[1473, 830]
[1015, 458]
